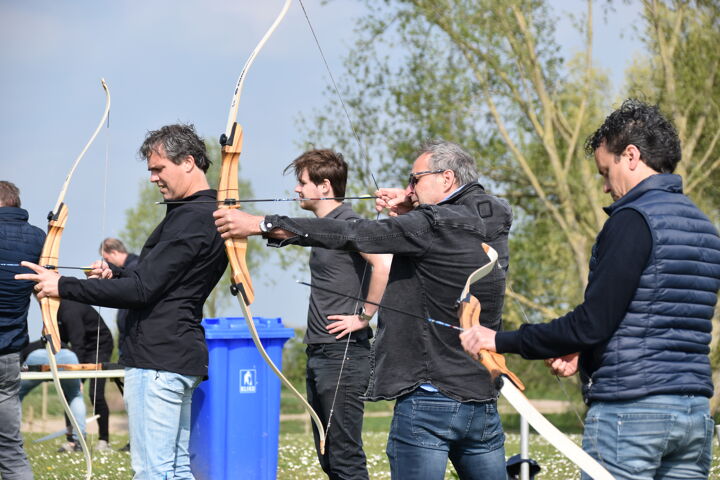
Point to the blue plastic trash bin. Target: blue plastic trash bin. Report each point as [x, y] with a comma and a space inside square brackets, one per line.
[236, 413]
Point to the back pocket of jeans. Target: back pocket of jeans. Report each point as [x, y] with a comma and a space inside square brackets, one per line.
[432, 421]
[705, 455]
[642, 438]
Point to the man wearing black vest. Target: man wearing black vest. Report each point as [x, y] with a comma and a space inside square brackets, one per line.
[640, 339]
[445, 402]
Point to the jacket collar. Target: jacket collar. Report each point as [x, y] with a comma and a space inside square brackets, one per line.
[467, 189]
[13, 214]
[667, 182]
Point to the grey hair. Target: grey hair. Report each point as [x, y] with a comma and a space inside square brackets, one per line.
[178, 141]
[450, 156]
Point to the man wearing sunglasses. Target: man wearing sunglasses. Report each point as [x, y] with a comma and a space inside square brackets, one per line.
[445, 402]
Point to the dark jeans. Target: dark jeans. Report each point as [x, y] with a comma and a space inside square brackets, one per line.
[344, 457]
[14, 464]
[428, 427]
[96, 393]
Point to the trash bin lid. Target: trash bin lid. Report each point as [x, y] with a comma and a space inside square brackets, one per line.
[235, 327]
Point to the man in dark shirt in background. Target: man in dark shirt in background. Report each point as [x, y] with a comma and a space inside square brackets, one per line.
[164, 349]
[116, 255]
[338, 329]
[18, 241]
[641, 337]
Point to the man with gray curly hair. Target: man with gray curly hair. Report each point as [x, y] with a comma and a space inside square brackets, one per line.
[445, 401]
[164, 348]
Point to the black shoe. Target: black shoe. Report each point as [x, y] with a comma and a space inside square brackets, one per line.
[68, 447]
[126, 448]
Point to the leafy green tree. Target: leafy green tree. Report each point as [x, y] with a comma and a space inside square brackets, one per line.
[490, 76]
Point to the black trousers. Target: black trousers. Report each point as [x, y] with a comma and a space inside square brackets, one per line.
[96, 392]
[344, 457]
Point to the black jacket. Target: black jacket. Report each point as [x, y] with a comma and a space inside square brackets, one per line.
[435, 247]
[179, 265]
[122, 314]
[80, 325]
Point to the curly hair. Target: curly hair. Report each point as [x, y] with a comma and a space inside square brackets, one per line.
[178, 141]
[637, 123]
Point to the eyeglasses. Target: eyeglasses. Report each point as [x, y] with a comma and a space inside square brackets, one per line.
[414, 177]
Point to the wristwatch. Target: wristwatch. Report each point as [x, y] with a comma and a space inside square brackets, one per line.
[263, 227]
[364, 316]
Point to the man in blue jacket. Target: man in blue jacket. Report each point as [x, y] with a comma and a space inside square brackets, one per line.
[18, 241]
[641, 337]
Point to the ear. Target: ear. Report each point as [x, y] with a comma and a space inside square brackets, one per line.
[325, 186]
[188, 163]
[448, 179]
[633, 155]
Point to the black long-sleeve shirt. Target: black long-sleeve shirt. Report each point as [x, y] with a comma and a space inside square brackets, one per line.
[623, 249]
[179, 265]
[80, 325]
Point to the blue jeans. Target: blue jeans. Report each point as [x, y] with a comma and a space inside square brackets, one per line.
[655, 437]
[158, 406]
[428, 427]
[72, 387]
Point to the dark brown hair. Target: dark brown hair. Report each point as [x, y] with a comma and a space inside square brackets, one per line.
[321, 164]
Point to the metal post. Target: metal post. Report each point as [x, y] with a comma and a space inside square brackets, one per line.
[524, 448]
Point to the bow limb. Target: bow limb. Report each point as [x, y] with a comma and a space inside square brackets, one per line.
[236, 249]
[554, 436]
[510, 385]
[49, 306]
[258, 343]
[469, 309]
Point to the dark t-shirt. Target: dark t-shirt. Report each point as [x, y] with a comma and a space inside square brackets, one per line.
[340, 271]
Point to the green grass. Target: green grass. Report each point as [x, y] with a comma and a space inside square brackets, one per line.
[296, 452]
[296, 456]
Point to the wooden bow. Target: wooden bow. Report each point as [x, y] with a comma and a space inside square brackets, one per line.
[236, 249]
[510, 385]
[49, 306]
[469, 313]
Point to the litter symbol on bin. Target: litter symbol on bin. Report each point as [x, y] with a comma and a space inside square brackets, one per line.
[248, 382]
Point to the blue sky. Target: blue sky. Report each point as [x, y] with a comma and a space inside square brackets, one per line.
[175, 60]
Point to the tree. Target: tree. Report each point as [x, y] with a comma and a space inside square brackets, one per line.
[489, 75]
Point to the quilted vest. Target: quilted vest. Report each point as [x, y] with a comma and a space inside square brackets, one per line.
[661, 346]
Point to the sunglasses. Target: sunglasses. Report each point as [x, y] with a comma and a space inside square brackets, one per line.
[414, 177]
